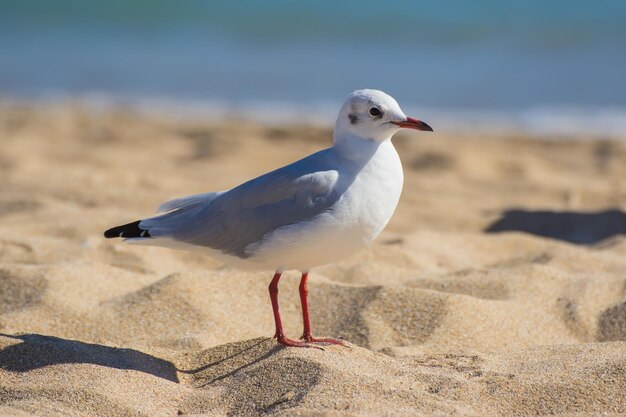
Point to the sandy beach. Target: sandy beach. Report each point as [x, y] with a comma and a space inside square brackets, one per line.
[498, 288]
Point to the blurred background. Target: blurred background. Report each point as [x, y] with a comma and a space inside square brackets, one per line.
[544, 67]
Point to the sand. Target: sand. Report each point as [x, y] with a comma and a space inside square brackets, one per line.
[499, 287]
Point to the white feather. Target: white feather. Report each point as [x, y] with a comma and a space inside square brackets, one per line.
[188, 201]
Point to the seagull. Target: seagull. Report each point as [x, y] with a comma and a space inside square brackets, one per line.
[313, 212]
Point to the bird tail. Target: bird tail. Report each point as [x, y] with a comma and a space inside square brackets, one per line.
[127, 231]
[162, 225]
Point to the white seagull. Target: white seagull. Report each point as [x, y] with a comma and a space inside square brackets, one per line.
[312, 212]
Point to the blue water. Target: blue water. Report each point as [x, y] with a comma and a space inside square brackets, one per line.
[450, 54]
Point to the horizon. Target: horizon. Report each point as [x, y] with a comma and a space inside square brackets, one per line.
[449, 56]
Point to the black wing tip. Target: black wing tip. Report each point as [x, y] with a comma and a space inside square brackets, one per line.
[127, 230]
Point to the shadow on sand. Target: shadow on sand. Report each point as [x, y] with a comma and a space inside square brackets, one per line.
[223, 361]
[37, 351]
[573, 227]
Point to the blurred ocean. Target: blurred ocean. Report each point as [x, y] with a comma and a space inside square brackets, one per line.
[547, 66]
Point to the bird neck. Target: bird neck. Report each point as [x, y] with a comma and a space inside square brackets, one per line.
[356, 148]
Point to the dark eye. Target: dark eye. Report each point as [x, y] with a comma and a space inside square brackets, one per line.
[375, 111]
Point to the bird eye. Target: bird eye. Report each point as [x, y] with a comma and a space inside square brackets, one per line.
[375, 111]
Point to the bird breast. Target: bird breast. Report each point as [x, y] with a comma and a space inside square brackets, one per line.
[373, 196]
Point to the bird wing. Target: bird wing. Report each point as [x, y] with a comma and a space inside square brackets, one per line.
[186, 202]
[229, 221]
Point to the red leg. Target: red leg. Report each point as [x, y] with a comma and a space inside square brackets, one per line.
[280, 333]
[304, 300]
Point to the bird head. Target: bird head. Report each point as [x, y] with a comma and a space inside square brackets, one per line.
[374, 115]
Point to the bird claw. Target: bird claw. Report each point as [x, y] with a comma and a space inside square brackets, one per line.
[297, 343]
[323, 340]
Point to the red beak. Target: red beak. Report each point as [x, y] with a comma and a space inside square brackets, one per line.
[411, 123]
